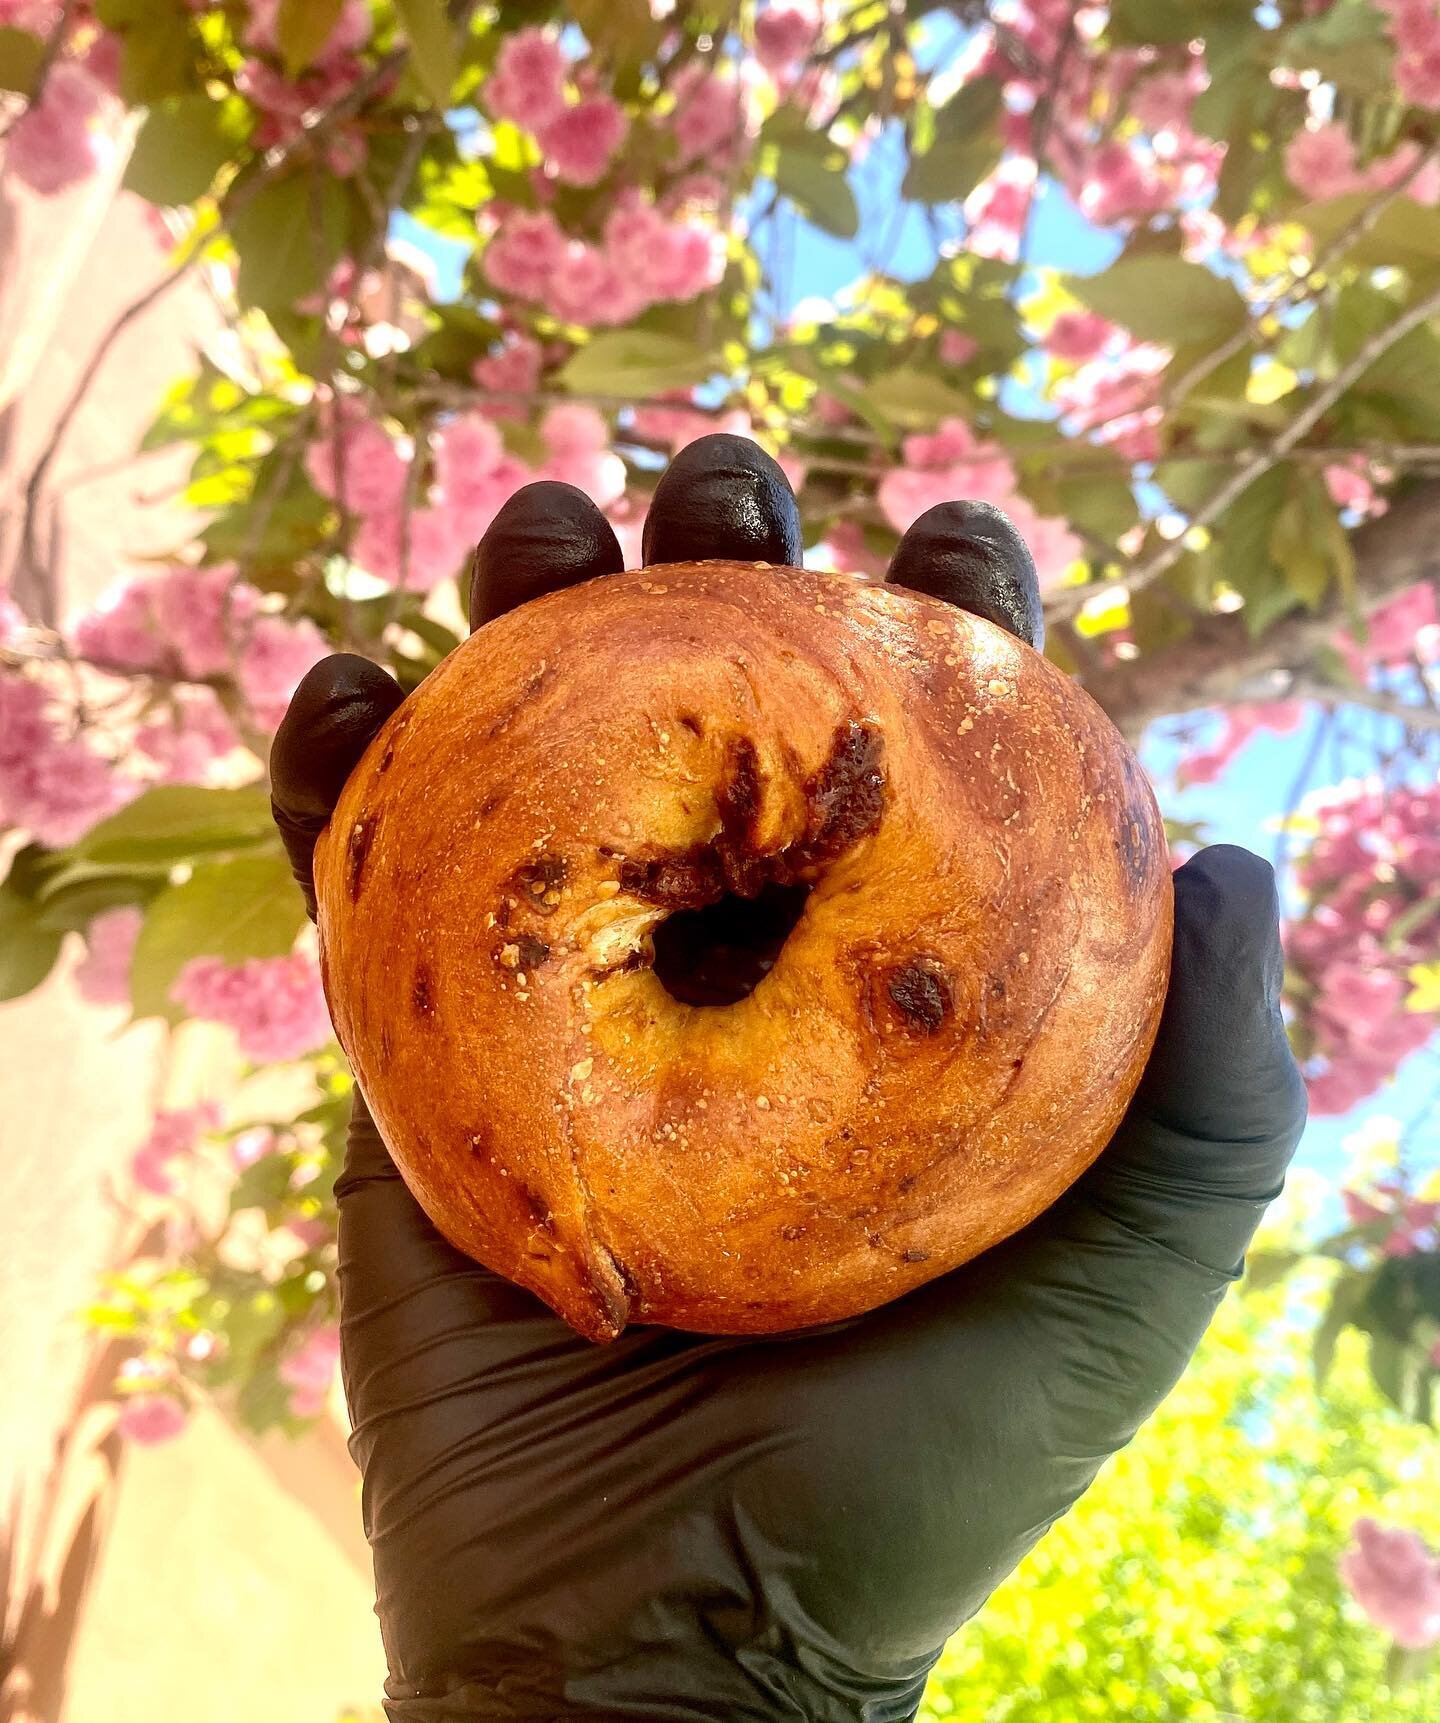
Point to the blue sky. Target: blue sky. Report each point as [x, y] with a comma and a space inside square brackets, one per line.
[1243, 806]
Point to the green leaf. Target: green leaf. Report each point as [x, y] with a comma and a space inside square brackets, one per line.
[625, 31]
[1404, 1667]
[1346, 45]
[1161, 298]
[289, 234]
[1104, 507]
[1346, 1298]
[20, 57]
[433, 51]
[27, 948]
[302, 28]
[1266, 1268]
[1406, 236]
[914, 399]
[157, 50]
[1400, 1372]
[175, 822]
[1300, 546]
[635, 362]
[182, 145]
[965, 147]
[1161, 21]
[814, 181]
[246, 906]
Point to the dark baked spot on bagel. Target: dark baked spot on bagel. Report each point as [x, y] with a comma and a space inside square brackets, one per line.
[357, 852]
[422, 992]
[791, 1233]
[532, 952]
[692, 723]
[539, 882]
[922, 992]
[1134, 833]
[738, 799]
[847, 795]
[534, 1205]
[915, 1256]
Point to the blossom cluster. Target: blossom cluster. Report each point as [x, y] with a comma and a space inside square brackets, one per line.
[55, 783]
[1394, 1577]
[953, 463]
[197, 625]
[415, 531]
[69, 133]
[1371, 877]
[275, 1005]
[282, 101]
[646, 257]
[1409, 1221]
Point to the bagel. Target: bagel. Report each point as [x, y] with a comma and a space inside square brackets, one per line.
[736, 948]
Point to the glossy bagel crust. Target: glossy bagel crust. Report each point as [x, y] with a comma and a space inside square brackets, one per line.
[947, 1038]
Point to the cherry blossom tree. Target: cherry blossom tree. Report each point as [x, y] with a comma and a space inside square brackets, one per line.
[1220, 442]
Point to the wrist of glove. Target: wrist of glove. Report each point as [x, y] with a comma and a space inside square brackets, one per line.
[683, 1527]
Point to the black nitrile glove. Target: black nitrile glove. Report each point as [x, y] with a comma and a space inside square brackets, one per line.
[678, 1526]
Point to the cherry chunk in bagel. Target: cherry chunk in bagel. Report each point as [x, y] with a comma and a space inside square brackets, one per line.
[738, 947]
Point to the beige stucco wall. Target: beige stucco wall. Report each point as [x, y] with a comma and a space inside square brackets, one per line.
[234, 1583]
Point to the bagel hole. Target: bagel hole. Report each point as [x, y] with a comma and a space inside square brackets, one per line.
[720, 954]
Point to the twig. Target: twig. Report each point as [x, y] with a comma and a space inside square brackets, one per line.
[1287, 295]
[233, 201]
[1041, 125]
[1260, 461]
[1412, 716]
[49, 54]
[1298, 788]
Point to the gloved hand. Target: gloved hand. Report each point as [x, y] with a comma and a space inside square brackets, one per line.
[679, 1526]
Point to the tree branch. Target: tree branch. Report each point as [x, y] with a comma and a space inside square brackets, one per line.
[1262, 460]
[48, 56]
[1219, 662]
[30, 558]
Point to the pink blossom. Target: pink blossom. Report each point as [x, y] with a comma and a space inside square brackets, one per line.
[577, 437]
[1077, 336]
[12, 620]
[275, 1005]
[589, 288]
[785, 33]
[58, 141]
[513, 370]
[1320, 162]
[956, 347]
[1351, 489]
[475, 477]
[688, 260]
[581, 141]
[1118, 184]
[53, 784]
[997, 208]
[1394, 1578]
[199, 611]
[1049, 539]
[1393, 632]
[359, 465]
[252, 1145]
[528, 83]
[309, 1371]
[945, 466]
[172, 1138]
[1359, 1210]
[120, 632]
[417, 553]
[190, 739]
[794, 469]
[36, 16]
[709, 116]
[151, 1419]
[103, 974]
[276, 655]
[680, 425]
[1415, 30]
[1163, 102]
[348, 35]
[525, 253]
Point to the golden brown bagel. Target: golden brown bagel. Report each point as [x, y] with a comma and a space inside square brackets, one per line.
[947, 1038]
